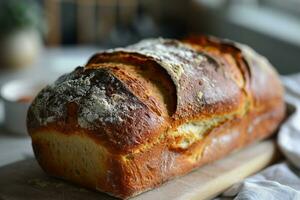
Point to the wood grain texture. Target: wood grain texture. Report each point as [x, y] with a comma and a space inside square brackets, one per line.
[25, 179]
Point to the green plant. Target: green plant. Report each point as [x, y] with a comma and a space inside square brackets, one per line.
[18, 14]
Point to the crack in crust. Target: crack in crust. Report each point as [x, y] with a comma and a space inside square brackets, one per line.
[118, 84]
[94, 100]
[199, 73]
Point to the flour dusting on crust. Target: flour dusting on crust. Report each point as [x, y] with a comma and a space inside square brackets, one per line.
[99, 96]
[175, 57]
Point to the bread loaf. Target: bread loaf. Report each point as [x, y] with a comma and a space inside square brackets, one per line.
[135, 117]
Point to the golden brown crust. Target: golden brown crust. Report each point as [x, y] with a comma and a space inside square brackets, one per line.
[123, 120]
[201, 74]
[258, 73]
[159, 108]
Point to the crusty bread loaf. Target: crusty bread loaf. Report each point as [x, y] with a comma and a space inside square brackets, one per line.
[135, 117]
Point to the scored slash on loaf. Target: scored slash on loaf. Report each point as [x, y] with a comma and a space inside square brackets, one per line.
[135, 117]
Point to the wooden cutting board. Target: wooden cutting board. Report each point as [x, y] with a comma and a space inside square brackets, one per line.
[25, 180]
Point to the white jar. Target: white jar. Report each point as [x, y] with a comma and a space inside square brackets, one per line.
[20, 48]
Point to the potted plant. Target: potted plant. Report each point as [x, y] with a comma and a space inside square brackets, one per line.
[21, 25]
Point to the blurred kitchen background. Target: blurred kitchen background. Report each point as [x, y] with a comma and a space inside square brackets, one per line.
[38, 27]
[41, 39]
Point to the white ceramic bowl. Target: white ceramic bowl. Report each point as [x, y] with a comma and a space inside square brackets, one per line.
[17, 96]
